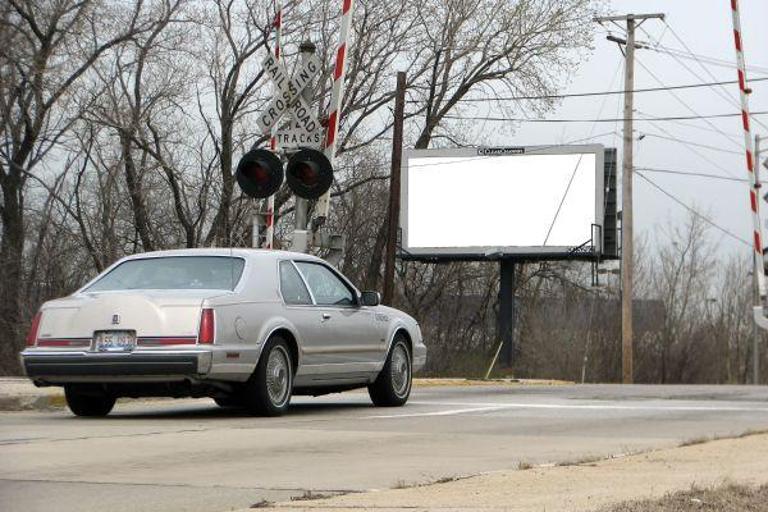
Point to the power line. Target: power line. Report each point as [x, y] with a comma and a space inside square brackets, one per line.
[704, 59]
[602, 93]
[694, 174]
[603, 120]
[720, 90]
[689, 143]
[693, 210]
[681, 101]
[691, 125]
[693, 150]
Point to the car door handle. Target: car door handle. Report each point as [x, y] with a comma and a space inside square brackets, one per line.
[325, 317]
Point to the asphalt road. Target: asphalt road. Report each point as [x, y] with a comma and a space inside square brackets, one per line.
[190, 455]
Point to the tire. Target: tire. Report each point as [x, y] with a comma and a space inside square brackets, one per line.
[228, 401]
[88, 402]
[268, 390]
[393, 385]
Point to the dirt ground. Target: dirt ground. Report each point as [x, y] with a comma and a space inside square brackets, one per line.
[604, 486]
[723, 498]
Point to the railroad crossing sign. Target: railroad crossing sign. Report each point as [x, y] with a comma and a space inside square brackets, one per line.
[304, 128]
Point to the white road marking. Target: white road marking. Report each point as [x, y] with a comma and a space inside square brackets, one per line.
[468, 407]
[438, 413]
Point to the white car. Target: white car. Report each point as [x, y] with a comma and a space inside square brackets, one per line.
[246, 327]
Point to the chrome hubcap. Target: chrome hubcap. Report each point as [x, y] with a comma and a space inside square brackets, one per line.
[400, 369]
[278, 376]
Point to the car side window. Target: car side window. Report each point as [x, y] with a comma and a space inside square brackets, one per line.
[326, 287]
[291, 286]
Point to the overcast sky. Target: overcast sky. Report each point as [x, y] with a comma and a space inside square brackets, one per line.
[705, 27]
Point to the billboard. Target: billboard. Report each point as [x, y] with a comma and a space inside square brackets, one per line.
[535, 202]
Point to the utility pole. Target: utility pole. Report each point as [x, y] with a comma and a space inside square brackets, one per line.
[394, 190]
[627, 250]
[756, 335]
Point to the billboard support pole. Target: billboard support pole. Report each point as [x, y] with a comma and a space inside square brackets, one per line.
[394, 190]
[507, 316]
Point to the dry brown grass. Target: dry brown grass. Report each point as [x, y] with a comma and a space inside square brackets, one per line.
[724, 498]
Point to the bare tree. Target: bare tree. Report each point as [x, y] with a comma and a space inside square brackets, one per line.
[47, 48]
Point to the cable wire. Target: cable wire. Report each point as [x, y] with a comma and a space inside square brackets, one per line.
[603, 93]
[694, 174]
[603, 120]
[719, 89]
[693, 210]
[681, 101]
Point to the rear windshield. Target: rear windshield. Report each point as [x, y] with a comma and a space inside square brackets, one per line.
[173, 273]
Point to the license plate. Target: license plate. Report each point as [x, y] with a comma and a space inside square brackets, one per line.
[115, 341]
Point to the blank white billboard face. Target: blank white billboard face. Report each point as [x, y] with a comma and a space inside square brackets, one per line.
[535, 202]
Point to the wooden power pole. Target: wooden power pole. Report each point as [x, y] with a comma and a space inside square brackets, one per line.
[393, 212]
[627, 266]
[756, 333]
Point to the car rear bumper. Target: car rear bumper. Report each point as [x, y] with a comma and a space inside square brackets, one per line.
[69, 366]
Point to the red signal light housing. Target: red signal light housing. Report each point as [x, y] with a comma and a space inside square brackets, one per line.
[309, 173]
[207, 331]
[259, 173]
[33, 329]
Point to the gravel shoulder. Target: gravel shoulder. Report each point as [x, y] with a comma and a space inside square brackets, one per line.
[583, 487]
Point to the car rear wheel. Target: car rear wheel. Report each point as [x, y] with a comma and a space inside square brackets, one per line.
[90, 402]
[268, 391]
[393, 385]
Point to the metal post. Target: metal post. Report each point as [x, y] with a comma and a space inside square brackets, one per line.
[269, 220]
[394, 190]
[627, 249]
[507, 311]
[300, 211]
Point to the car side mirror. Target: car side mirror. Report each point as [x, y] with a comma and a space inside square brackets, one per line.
[370, 298]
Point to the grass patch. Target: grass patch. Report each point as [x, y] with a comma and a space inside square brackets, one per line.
[524, 465]
[309, 495]
[587, 459]
[696, 440]
[723, 498]
[402, 484]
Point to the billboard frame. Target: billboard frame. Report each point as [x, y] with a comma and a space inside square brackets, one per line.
[591, 249]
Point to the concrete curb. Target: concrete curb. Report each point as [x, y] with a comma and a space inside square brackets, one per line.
[32, 403]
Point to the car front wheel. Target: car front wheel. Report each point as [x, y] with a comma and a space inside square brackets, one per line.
[393, 385]
[268, 391]
[88, 401]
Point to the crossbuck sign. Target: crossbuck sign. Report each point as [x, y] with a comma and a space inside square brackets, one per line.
[304, 128]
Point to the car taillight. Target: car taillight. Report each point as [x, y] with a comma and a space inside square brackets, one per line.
[32, 335]
[207, 327]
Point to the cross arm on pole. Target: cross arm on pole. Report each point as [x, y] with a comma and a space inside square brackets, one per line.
[625, 17]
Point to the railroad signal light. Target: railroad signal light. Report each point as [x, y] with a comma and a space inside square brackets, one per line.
[309, 173]
[259, 173]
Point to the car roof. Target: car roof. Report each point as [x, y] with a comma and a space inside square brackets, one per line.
[223, 251]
